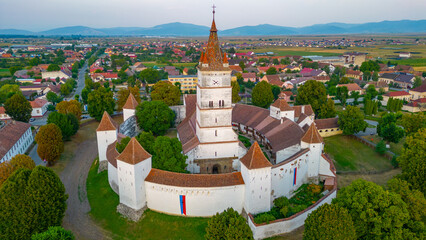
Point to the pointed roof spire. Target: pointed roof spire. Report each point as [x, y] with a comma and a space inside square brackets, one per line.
[312, 135]
[131, 102]
[107, 124]
[134, 153]
[255, 158]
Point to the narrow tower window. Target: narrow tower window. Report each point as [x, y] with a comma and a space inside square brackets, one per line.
[215, 133]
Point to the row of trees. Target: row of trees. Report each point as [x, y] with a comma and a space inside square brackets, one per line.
[394, 105]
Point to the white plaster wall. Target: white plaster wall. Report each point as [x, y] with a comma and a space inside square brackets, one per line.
[282, 176]
[219, 150]
[279, 227]
[41, 111]
[307, 120]
[275, 112]
[324, 168]
[288, 114]
[204, 96]
[216, 134]
[20, 147]
[113, 177]
[131, 183]
[287, 152]
[127, 113]
[206, 78]
[258, 189]
[217, 117]
[314, 159]
[203, 202]
[105, 138]
[192, 167]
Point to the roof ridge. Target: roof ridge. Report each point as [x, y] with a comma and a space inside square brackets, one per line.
[107, 123]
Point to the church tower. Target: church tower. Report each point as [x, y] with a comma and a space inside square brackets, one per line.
[218, 147]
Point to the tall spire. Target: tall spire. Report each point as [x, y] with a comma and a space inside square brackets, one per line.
[213, 58]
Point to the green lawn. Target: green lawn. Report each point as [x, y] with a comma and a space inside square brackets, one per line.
[394, 147]
[4, 72]
[352, 155]
[153, 225]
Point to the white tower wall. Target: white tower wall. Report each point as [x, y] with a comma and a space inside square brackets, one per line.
[127, 113]
[258, 189]
[105, 138]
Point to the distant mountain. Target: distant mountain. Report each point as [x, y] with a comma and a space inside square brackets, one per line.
[187, 29]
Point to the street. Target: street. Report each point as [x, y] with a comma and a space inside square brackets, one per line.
[80, 80]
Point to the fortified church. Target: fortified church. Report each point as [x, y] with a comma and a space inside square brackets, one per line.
[224, 173]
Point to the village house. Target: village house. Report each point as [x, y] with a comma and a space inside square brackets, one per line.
[352, 87]
[414, 106]
[378, 86]
[418, 92]
[353, 74]
[354, 58]
[15, 138]
[39, 107]
[3, 116]
[62, 74]
[249, 77]
[328, 127]
[187, 82]
[286, 95]
[402, 80]
[401, 95]
[273, 79]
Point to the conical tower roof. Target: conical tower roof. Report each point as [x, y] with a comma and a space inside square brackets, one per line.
[255, 158]
[312, 135]
[134, 153]
[131, 102]
[107, 124]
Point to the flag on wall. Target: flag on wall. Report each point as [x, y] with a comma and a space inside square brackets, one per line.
[182, 204]
[295, 176]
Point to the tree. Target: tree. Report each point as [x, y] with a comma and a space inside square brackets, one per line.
[49, 140]
[235, 90]
[369, 66]
[326, 69]
[22, 161]
[32, 201]
[275, 91]
[312, 93]
[53, 67]
[271, 71]
[14, 69]
[167, 92]
[327, 110]
[154, 116]
[412, 123]
[65, 90]
[120, 146]
[168, 155]
[123, 95]
[85, 94]
[147, 140]
[329, 222]
[342, 94]
[412, 160]
[352, 120]
[228, 225]
[376, 213]
[381, 147]
[7, 91]
[242, 65]
[53, 98]
[18, 108]
[99, 101]
[72, 107]
[6, 169]
[417, 82]
[355, 96]
[68, 123]
[375, 76]
[262, 95]
[371, 89]
[54, 233]
[387, 128]
[149, 75]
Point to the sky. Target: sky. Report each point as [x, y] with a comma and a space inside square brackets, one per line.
[38, 15]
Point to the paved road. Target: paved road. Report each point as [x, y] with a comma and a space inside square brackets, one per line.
[350, 100]
[33, 154]
[80, 80]
[74, 178]
[369, 131]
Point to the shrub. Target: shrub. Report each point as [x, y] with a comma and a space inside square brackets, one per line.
[314, 189]
[228, 225]
[264, 217]
[381, 147]
[281, 202]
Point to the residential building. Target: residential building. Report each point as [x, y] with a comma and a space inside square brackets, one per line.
[401, 95]
[418, 92]
[187, 82]
[56, 74]
[354, 58]
[352, 87]
[249, 77]
[3, 116]
[353, 74]
[15, 138]
[328, 127]
[39, 107]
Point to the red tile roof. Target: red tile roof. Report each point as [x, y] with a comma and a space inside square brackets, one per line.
[131, 102]
[351, 86]
[194, 180]
[10, 134]
[134, 153]
[38, 103]
[327, 123]
[282, 105]
[312, 135]
[397, 94]
[421, 88]
[107, 124]
[255, 158]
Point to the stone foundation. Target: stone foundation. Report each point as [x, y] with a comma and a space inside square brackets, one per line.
[130, 213]
[103, 165]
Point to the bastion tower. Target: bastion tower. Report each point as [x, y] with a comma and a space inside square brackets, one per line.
[218, 143]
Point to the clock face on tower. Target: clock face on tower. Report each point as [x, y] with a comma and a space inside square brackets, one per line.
[215, 82]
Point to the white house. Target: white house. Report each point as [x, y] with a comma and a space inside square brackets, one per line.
[55, 74]
[3, 115]
[15, 138]
[39, 107]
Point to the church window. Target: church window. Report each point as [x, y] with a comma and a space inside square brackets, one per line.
[215, 133]
[215, 120]
[210, 103]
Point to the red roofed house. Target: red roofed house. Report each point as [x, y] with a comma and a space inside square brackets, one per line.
[3, 116]
[418, 105]
[249, 77]
[401, 95]
[273, 79]
[15, 138]
[352, 87]
[39, 107]
[353, 74]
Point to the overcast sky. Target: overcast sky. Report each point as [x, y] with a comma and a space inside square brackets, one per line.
[39, 15]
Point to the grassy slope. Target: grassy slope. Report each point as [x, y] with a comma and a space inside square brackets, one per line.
[351, 155]
[153, 225]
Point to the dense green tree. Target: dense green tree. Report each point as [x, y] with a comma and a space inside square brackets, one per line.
[262, 95]
[22, 161]
[6, 169]
[32, 201]
[371, 89]
[369, 66]
[53, 98]
[381, 147]
[7, 91]
[329, 222]
[34, 61]
[154, 116]
[271, 71]
[312, 93]
[123, 95]
[168, 155]
[65, 90]
[352, 120]
[355, 96]
[412, 160]
[149, 75]
[235, 90]
[327, 110]
[275, 91]
[68, 123]
[13, 69]
[166, 92]
[18, 108]
[54, 233]
[85, 94]
[413, 122]
[120, 146]
[417, 82]
[53, 67]
[228, 225]
[147, 140]
[376, 213]
[342, 94]
[99, 101]
[242, 65]
[387, 128]
[49, 140]
[71, 106]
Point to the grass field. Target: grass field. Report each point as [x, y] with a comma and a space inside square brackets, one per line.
[153, 225]
[4, 72]
[152, 64]
[352, 155]
[394, 147]
[300, 51]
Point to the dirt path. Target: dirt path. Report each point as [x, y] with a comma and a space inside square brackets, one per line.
[74, 178]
